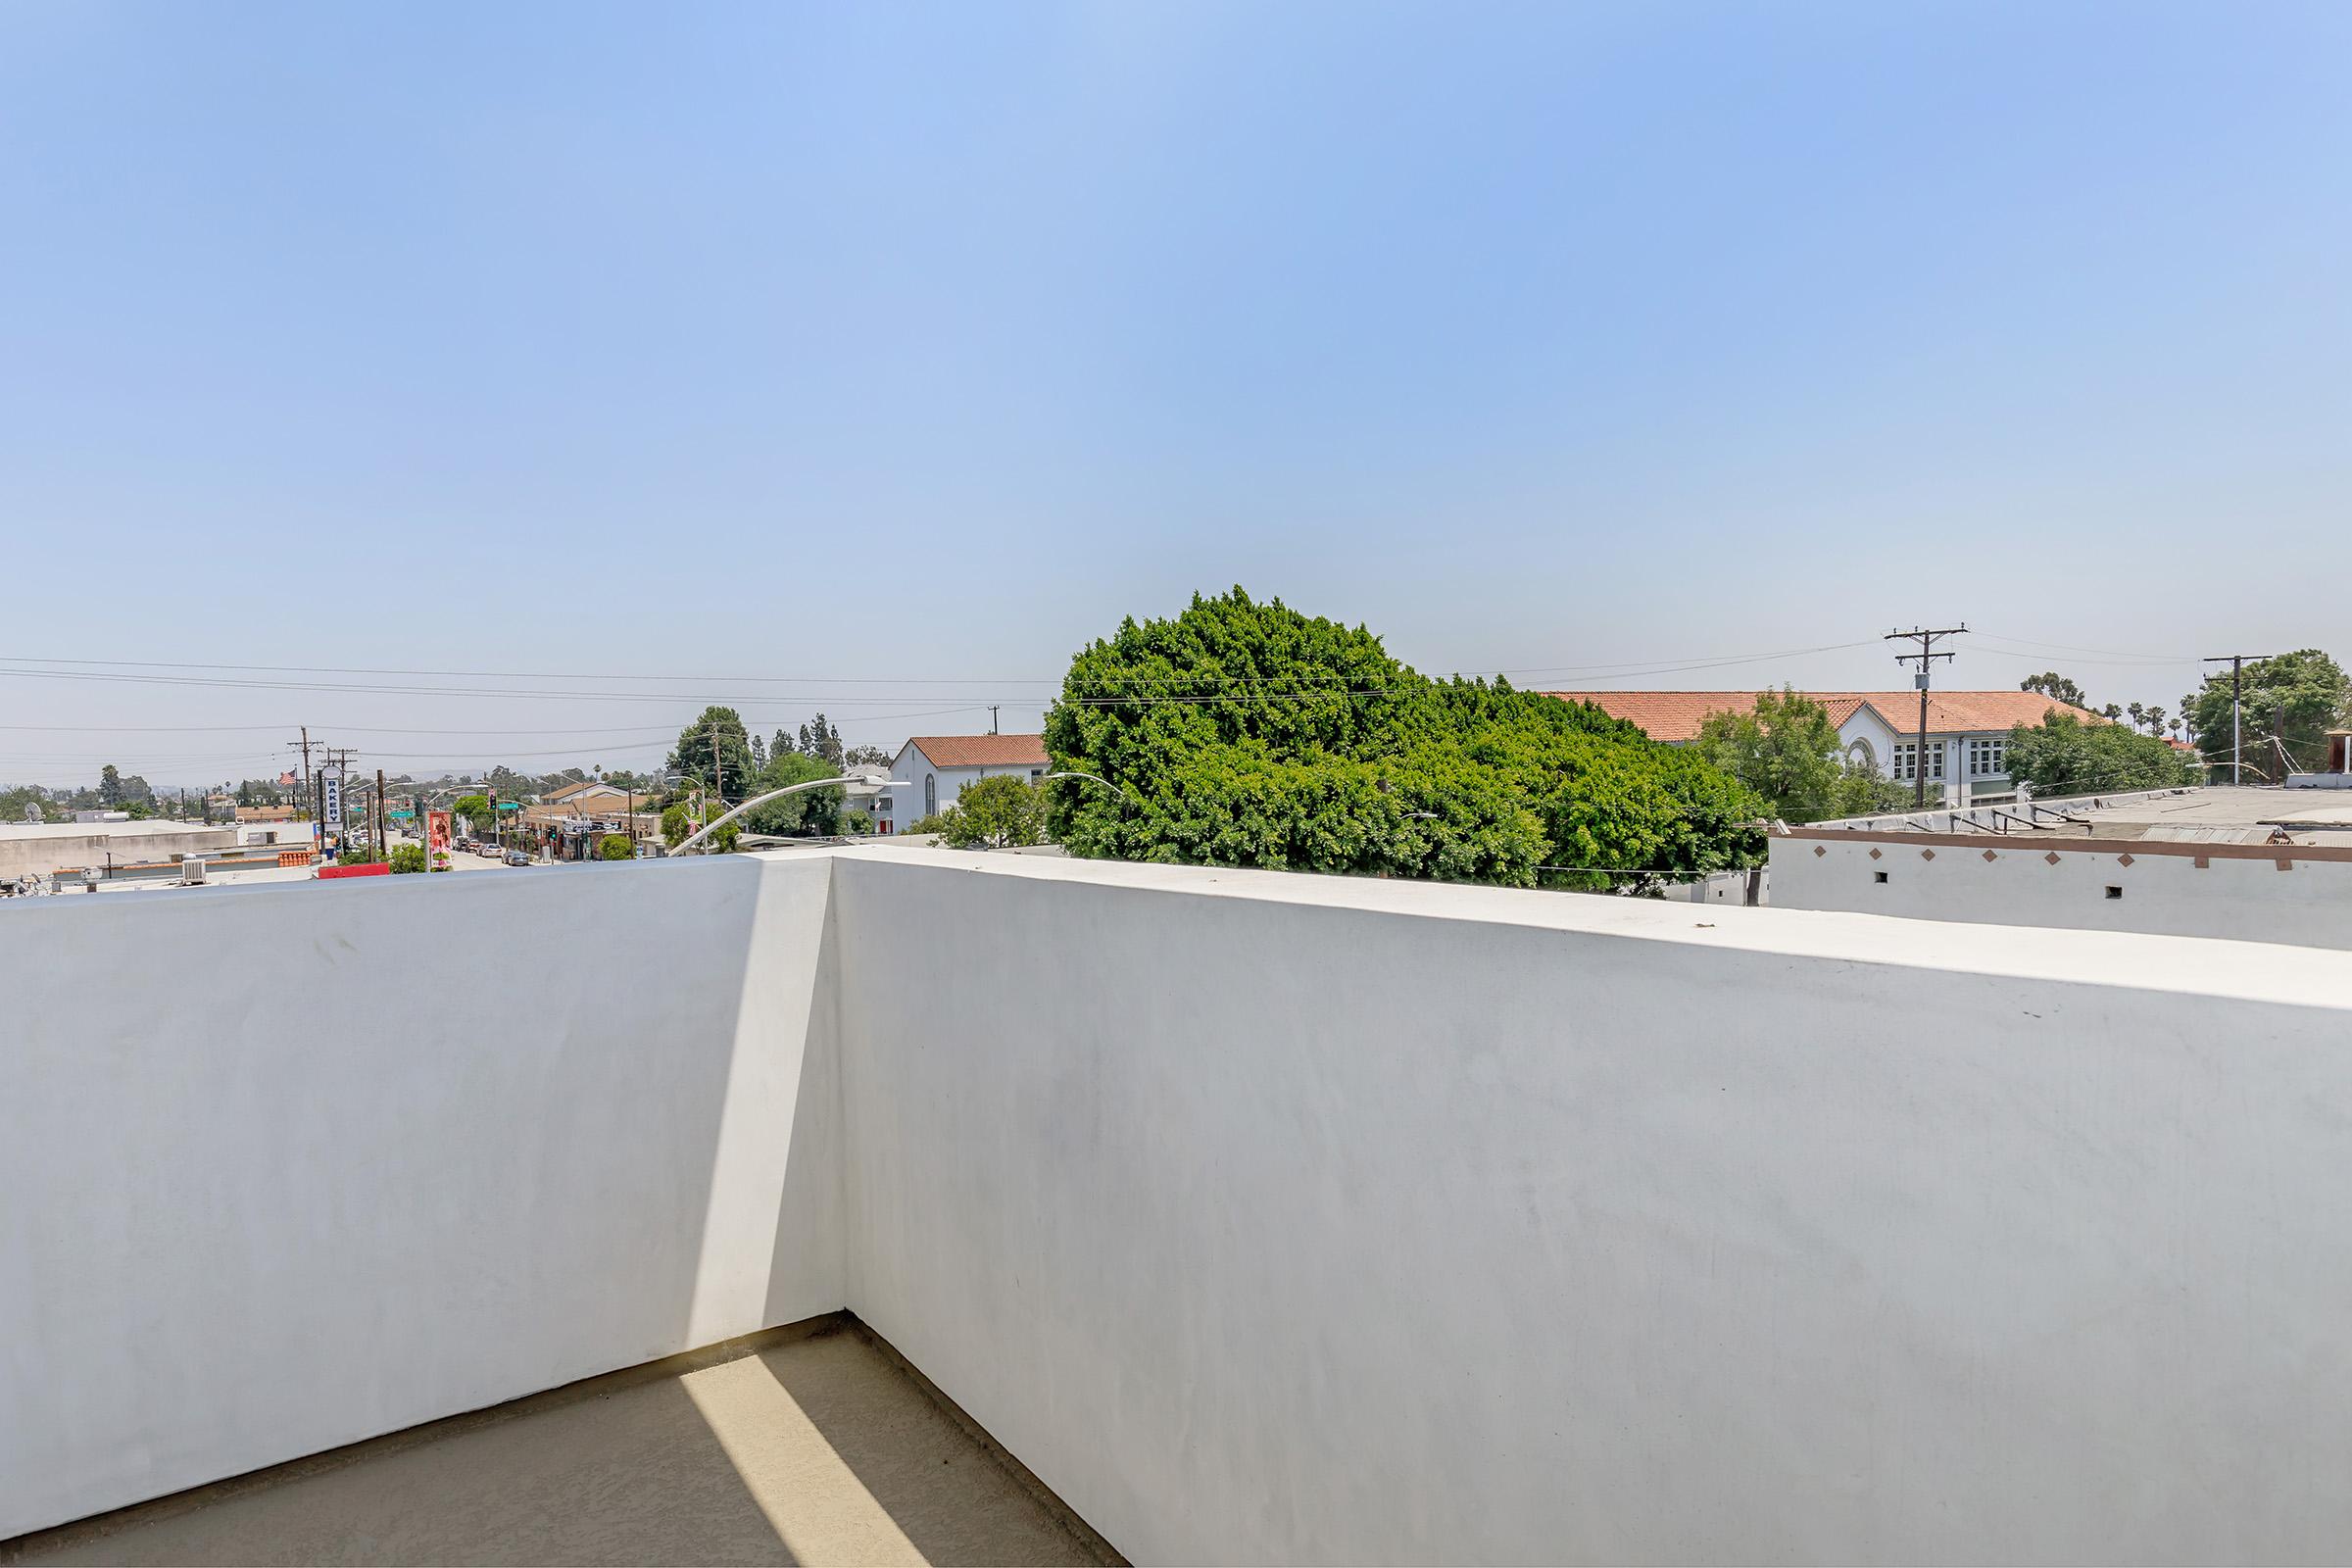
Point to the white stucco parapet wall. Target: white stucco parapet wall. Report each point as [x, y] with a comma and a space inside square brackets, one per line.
[1267, 1218]
[2291, 893]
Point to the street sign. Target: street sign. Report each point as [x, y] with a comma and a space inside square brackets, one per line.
[403, 815]
[510, 805]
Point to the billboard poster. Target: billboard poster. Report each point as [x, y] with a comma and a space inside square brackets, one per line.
[436, 840]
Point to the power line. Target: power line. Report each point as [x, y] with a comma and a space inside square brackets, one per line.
[2071, 648]
[1634, 666]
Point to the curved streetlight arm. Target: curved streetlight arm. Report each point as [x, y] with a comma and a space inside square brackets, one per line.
[1074, 773]
[862, 785]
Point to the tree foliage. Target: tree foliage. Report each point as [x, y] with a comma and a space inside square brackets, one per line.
[1245, 734]
[23, 803]
[2293, 699]
[716, 750]
[998, 812]
[811, 812]
[681, 820]
[1788, 752]
[2056, 687]
[2064, 756]
[821, 741]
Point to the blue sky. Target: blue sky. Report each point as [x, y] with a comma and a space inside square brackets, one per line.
[888, 354]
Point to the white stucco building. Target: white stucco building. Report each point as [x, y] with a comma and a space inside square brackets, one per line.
[936, 767]
[1968, 732]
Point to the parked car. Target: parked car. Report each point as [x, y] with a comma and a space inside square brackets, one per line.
[518, 857]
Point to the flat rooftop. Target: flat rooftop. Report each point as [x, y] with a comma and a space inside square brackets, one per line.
[808, 1444]
[149, 827]
[2203, 814]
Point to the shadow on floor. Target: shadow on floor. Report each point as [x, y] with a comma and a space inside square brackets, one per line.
[813, 1447]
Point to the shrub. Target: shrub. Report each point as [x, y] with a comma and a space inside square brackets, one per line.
[617, 846]
[406, 857]
[996, 813]
[1245, 734]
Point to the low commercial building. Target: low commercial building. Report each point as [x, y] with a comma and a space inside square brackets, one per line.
[44, 849]
[570, 823]
[1968, 732]
[2255, 865]
[936, 767]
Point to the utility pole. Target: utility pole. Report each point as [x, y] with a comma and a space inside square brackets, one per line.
[2238, 687]
[992, 718]
[1925, 659]
[380, 850]
[318, 828]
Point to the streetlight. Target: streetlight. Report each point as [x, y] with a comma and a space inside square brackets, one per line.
[1074, 773]
[863, 785]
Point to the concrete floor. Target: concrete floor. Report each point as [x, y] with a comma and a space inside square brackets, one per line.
[811, 1450]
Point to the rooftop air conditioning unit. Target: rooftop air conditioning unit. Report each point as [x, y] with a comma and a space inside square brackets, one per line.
[191, 871]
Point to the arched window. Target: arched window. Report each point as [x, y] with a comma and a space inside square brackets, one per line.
[930, 795]
[1860, 753]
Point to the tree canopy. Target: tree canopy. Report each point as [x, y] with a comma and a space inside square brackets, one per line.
[2064, 756]
[2293, 699]
[998, 812]
[1788, 752]
[2056, 687]
[1245, 734]
[717, 751]
[814, 811]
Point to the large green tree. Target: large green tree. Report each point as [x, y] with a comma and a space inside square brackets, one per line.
[2290, 701]
[2064, 756]
[820, 740]
[1789, 751]
[716, 750]
[1245, 734]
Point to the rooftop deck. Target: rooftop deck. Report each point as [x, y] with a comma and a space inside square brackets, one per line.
[1263, 1218]
[809, 1444]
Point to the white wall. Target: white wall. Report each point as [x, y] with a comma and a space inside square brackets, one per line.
[457, 1140]
[43, 850]
[1267, 1218]
[913, 766]
[2310, 903]
[1283, 1219]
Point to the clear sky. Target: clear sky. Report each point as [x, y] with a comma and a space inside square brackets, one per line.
[875, 358]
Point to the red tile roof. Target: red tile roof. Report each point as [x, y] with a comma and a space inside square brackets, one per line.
[1677, 715]
[982, 750]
